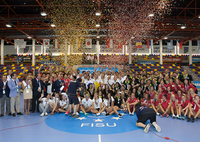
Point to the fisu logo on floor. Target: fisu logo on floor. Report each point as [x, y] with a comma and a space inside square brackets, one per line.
[92, 124]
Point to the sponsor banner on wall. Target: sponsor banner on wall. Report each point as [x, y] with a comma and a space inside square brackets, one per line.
[172, 59]
[197, 84]
[91, 69]
[145, 62]
[195, 60]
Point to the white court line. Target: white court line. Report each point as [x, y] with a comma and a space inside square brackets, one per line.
[99, 138]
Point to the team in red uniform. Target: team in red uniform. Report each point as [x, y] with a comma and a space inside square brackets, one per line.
[131, 102]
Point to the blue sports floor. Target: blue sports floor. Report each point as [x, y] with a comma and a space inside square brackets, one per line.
[92, 129]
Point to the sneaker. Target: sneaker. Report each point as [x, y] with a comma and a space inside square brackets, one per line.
[132, 113]
[86, 114]
[98, 114]
[107, 114]
[81, 112]
[192, 120]
[173, 116]
[70, 114]
[162, 115]
[77, 113]
[157, 113]
[46, 113]
[166, 115]
[158, 129]
[75, 116]
[183, 117]
[119, 115]
[179, 117]
[104, 113]
[188, 119]
[42, 114]
[67, 112]
[146, 129]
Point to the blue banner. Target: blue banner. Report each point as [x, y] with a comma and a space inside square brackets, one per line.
[145, 62]
[197, 84]
[170, 44]
[195, 60]
[91, 69]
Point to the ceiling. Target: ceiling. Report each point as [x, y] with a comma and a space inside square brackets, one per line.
[26, 20]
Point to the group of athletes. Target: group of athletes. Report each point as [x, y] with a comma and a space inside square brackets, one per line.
[106, 92]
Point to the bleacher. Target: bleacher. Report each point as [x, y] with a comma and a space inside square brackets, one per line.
[195, 69]
[155, 67]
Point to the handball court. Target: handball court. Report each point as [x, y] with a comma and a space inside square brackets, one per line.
[91, 128]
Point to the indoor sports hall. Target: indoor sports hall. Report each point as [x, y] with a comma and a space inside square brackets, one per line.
[99, 70]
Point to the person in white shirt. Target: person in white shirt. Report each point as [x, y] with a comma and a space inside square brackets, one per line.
[97, 103]
[109, 106]
[64, 104]
[9, 75]
[86, 105]
[44, 105]
[54, 104]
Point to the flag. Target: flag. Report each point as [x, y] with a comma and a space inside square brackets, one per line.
[148, 43]
[198, 44]
[180, 44]
[46, 42]
[138, 44]
[88, 43]
[109, 43]
[120, 45]
[78, 43]
[170, 44]
[19, 43]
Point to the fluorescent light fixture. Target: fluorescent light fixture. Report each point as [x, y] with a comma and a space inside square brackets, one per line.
[98, 36]
[53, 25]
[43, 13]
[8, 25]
[151, 15]
[165, 37]
[183, 27]
[98, 13]
[29, 37]
[97, 25]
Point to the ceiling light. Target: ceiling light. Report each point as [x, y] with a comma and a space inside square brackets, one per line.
[199, 16]
[151, 15]
[98, 36]
[8, 25]
[53, 25]
[165, 37]
[97, 25]
[43, 13]
[183, 27]
[29, 37]
[98, 13]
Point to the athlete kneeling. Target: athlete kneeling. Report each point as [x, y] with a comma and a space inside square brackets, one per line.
[86, 105]
[143, 114]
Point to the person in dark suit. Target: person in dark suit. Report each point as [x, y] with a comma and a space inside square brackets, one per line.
[37, 91]
[58, 84]
[4, 96]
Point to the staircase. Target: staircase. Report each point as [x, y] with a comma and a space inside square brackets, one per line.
[194, 76]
